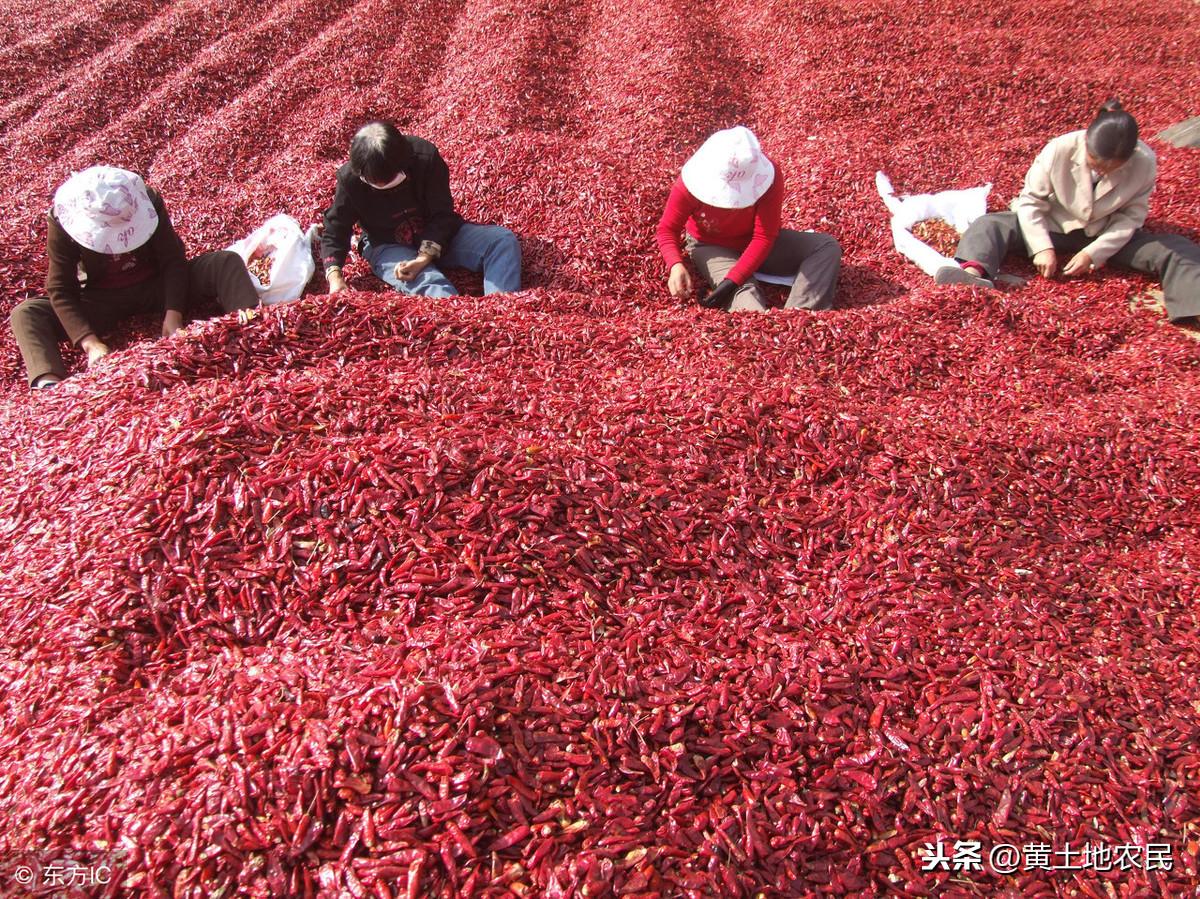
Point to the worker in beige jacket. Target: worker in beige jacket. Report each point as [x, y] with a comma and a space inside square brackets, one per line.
[1084, 203]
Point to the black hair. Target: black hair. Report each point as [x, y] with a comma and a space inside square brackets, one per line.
[378, 152]
[1113, 134]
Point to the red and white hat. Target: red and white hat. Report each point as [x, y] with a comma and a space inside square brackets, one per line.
[106, 209]
[729, 170]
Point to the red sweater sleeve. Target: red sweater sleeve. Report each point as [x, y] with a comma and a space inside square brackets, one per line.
[768, 216]
[680, 205]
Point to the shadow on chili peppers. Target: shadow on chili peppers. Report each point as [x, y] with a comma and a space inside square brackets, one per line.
[860, 286]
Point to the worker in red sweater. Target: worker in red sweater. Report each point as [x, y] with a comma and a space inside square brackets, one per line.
[730, 197]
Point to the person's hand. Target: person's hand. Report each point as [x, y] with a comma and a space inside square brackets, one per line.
[94, 348]
[333, 275]
[407, 271]
[679, 282]
[1080, 264]
[720, 295]
[172, 322]
[1046, 262]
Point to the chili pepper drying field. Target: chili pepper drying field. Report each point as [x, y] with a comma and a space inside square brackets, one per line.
[586, 591]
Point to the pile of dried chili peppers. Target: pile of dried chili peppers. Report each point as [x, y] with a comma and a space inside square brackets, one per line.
[586, 591]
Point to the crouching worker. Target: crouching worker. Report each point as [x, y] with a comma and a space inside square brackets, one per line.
[113, 254]
[730, 196]
[1083, 205]
[397, 188]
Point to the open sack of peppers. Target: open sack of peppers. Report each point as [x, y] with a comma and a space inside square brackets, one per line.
[926, 227]
[279, 257]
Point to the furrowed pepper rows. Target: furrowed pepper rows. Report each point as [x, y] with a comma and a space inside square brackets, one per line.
[585, 591]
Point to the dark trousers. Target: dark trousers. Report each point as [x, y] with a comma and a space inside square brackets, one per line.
[1173, 259]
[221, 275]
[815, 259]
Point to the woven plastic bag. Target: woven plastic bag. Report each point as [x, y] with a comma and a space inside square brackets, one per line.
[289, 251]
[957, 208]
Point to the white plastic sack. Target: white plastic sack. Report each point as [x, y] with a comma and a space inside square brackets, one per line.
[290, 251]
[956, 207]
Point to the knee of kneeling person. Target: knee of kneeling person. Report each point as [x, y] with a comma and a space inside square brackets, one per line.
[229, 260]
[24, 312]
[1158, 253]
[1179, 245]
[506, 240]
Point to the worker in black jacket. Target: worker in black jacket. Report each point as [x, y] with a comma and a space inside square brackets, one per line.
[397, 188]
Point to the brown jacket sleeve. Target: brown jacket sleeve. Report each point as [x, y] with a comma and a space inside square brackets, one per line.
[172, 259]
[62, 282]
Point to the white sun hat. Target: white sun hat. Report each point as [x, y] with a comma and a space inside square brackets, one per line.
[729, 170]
[106, 209]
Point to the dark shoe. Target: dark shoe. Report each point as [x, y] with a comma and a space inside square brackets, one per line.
[952, 274]
[46, 381]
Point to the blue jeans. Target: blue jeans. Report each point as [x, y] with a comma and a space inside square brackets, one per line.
[478, 248]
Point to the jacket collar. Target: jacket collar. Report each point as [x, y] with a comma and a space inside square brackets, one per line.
[1079, 157]
[1083, 171]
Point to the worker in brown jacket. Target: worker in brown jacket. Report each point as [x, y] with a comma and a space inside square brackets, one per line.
[113, 254]
[1084, 205]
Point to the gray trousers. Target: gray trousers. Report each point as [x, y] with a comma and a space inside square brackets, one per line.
[220, 274]
[1173, 259]
[815, 259]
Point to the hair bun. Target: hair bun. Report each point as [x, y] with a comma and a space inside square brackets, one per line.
[1113, 133]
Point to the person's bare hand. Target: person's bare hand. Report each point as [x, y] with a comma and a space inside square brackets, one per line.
[1080, 264]
[679, 282]
[172, 322]
[407, 271]
[336, 282]
[1046, 263]
[95, 349]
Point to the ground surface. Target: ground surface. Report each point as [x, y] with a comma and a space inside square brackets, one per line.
[587, 590]
[1183, 134]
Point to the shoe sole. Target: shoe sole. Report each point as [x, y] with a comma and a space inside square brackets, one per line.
[949, 274]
